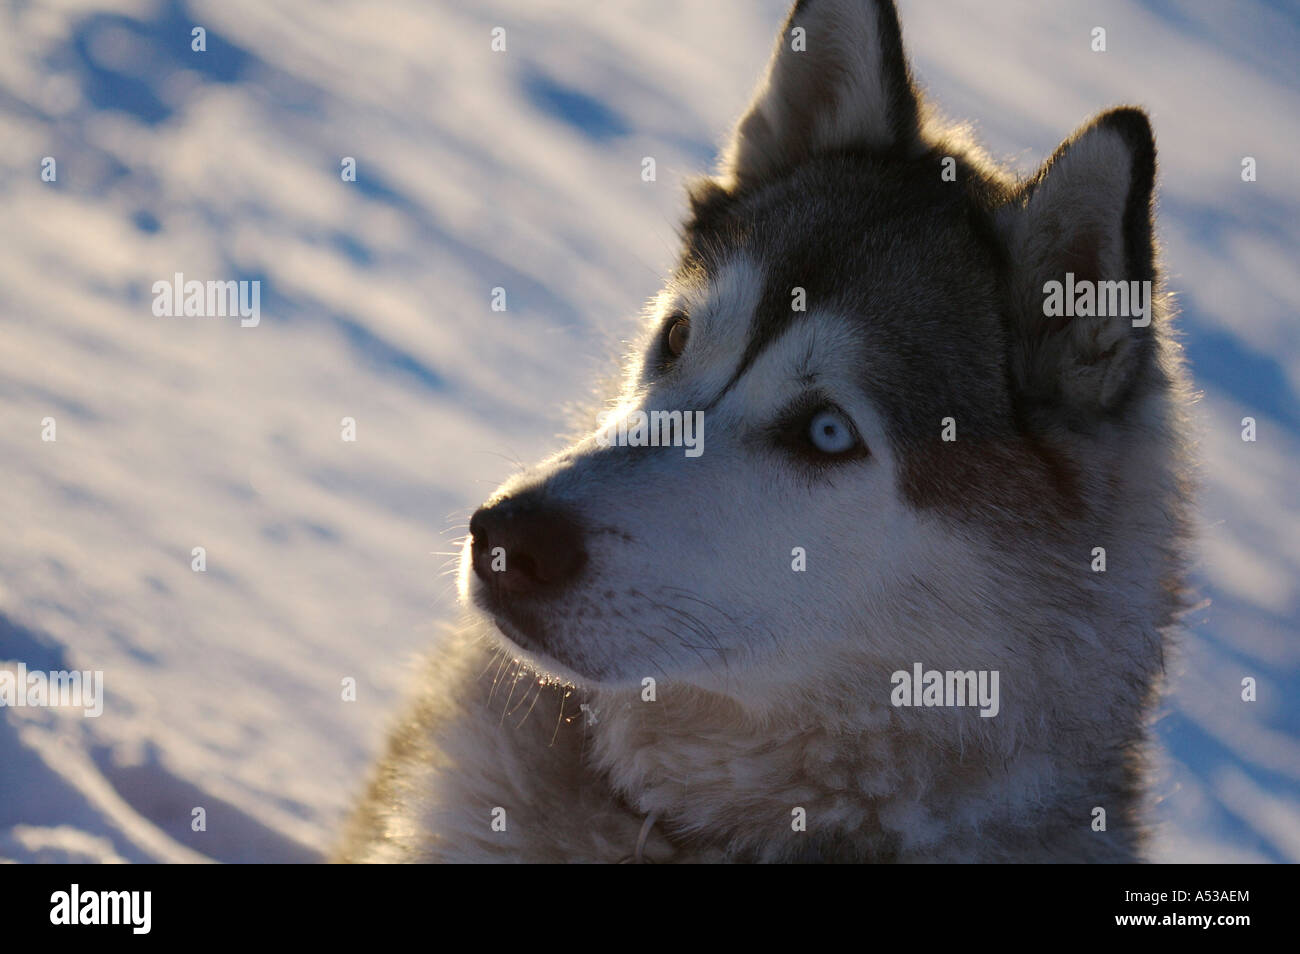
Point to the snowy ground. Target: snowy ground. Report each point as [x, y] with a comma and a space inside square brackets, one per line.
[325, 559]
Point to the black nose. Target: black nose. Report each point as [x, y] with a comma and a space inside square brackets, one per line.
[525, 546]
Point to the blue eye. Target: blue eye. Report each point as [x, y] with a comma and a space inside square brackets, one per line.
[831, 433]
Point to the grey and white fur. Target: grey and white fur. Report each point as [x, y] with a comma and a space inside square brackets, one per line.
[532, 737]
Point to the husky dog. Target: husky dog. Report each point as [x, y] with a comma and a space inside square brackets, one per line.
[915, 466]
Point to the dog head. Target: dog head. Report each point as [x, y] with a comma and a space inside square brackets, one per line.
[872, 444]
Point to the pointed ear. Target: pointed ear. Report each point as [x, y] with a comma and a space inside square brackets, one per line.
[1086, 217]
[837, 79]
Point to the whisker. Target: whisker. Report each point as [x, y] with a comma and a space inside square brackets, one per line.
[537, 695]
[496, 680]
[499, 652]
[519, 669]
[560, 716]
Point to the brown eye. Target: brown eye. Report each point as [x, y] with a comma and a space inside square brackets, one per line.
[678, 332]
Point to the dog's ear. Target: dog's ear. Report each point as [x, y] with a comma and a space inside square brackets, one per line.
[1086, 217]
[837, 79]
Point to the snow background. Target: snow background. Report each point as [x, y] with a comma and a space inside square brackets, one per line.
[326, 559]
